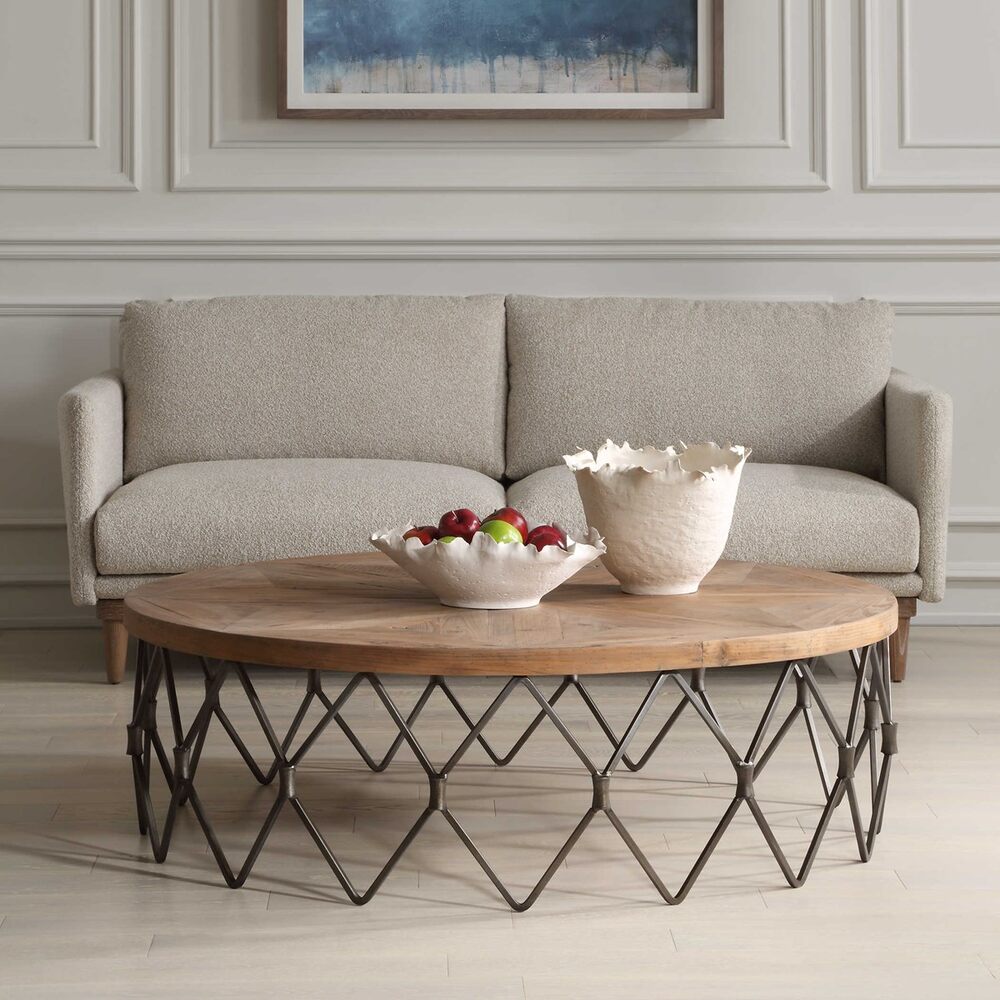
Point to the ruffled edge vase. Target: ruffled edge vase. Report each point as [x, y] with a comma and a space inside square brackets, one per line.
[665, 514]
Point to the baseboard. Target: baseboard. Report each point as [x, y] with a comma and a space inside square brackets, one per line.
[973, 572]
[9, 624]
[967, 618]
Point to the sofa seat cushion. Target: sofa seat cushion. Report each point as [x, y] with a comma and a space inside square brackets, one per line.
[184, 517]
[796, 515]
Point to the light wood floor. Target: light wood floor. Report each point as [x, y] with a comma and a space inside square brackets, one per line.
[85, 912]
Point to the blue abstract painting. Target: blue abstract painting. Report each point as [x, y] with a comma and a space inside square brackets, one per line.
[500, 46]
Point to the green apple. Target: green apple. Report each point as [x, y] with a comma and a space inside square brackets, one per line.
[447, 539]
[502, 531]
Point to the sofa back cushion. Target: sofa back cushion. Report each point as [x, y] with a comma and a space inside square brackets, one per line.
[405, 377]
[800, 383]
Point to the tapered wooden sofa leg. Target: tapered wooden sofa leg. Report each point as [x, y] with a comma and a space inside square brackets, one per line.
[900, 640]
[111, 614]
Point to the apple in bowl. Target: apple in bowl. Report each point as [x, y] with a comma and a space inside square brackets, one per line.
[427, 533]
[511, 516]
[458, 523]
[502, 532]
[546, 534]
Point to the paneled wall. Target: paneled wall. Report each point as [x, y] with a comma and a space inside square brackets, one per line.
[140, 157]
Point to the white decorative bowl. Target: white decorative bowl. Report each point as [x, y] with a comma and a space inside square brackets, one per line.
[664, 514]
[487, 574]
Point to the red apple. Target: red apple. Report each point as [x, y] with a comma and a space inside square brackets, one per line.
[426, 533]
[462, 523]
[546, 534]
[511, 516]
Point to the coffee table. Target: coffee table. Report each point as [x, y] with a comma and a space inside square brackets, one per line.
[362, 616]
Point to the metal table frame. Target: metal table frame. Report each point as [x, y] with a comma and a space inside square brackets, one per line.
[869, 722]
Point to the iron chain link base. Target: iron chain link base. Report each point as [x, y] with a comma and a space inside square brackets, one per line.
[870, 731]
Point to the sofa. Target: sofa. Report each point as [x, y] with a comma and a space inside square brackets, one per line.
[264, 427]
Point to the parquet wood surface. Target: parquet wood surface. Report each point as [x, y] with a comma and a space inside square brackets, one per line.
[363, 613]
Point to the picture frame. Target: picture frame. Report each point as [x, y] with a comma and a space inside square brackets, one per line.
[392, 60]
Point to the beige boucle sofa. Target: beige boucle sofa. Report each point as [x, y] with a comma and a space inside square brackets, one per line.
[254, 428]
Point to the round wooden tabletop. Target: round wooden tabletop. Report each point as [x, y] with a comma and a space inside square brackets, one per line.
[363, 613]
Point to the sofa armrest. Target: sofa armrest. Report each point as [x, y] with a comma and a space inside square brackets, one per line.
[91, 441]
[918, 467]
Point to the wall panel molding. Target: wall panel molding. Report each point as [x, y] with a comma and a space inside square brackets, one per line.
[902, 307]
[129, 97]
[891, 159]
[945, 308]
[929, 615]
[207, 155]
[93, 99]
[974, 572]
[255, 247]
[33, 578]
[108, 159]
[30, 520]
[42, 307]
[974, 517]
[904, 75]
[52, 620]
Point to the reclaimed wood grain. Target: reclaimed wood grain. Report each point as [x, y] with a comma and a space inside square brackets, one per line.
[363, 613]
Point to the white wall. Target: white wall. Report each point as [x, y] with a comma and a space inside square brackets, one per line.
[140, 156]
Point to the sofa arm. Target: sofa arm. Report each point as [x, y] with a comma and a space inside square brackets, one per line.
[918, 467]
[91, 440]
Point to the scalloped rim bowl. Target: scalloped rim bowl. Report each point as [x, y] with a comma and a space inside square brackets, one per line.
[487, 575]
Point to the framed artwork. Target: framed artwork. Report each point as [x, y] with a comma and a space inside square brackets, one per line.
[500, 59]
